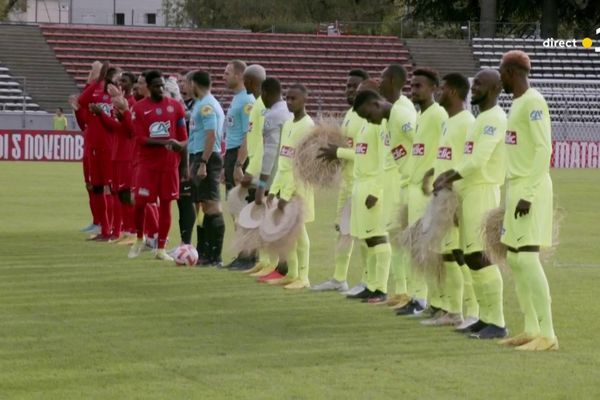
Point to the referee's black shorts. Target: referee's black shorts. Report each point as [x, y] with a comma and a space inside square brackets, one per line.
[206, 189]
[230, 160]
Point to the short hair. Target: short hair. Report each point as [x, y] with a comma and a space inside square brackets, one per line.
[271, 85]
[151, 75]
[429, 73]
[129, 76]
[200, 78]
[458, 82]
[360, 73]
[397, 71]
[300, 87]
[518, 59]
[257, 71]
[60, 109]
[364, 97]
[238, 66]
[370, 84]
[111, 72]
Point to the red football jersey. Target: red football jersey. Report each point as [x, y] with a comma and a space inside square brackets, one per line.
[162, 120]
[97, 135]
[124, 139]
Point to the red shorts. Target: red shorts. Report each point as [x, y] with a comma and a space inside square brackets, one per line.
[151, 185]
[122, 175]
[99, 167]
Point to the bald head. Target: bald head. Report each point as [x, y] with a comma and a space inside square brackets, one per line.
[368, 84]
[254, 76]
[486, 88]
[516, 59]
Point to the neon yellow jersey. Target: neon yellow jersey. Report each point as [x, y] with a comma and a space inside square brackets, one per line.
[484, 154]
[528, 140]
[284, 182]
[370, 151]
[401, 126]
[254, 138]
[452, 142]
[351, 125]
[425, 141]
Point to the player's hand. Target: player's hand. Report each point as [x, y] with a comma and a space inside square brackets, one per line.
[95, 109]
[238, 175]
[120, 103]
[201, 174]
[270, 199]
[371, 201]
[113, 90]
[281, 204]
[174, 145]
[522, 209]
[246, 181]
[328, 153]
[73, 101]
[258, 199]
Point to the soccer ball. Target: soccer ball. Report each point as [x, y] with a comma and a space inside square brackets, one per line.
[186, 254]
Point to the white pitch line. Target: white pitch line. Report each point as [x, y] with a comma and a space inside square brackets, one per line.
[565, 265]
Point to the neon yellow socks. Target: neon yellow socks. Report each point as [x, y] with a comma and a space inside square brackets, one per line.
[453, 288]
[522, 288]
[470, 304]
[488, 286]
[379, 267]
[343, 252]
[399, 267]
[303, 251]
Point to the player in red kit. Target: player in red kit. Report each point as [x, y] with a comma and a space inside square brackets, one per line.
[98, 138]
[161, 137]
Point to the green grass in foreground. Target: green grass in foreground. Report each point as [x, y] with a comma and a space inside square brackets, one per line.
[80, 321]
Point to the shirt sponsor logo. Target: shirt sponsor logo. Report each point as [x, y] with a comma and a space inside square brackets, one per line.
[106, 108]
[469, 147]
[418, 149]
[362, 148]
[444, 153]
[350, 142]
[398, 152]
[160, 129]
[489, 130]
[143, 192]
[511, 137]
[406, 127]
[248, 108]
[170, 109]
[287, 151]
[536, 115]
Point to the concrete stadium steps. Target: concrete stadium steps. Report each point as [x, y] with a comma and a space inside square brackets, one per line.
[320, 62]
[444, 55]
[24, 50]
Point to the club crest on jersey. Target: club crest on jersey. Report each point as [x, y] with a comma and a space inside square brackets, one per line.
[248, 108]
[158, 111]
[418, 149]
[206, 110]
[398, 152]
[287, 151]
[536, 115]
[170, 109]
[143, 192]
[511, 137]
[350, 142]
[160, 129]
[444, 153]
[361, 148]
[263, 112]
[469, 147]
[489, 130]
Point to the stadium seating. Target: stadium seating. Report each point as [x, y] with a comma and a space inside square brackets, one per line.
[547, 63]
[320, 62]
[11, 94]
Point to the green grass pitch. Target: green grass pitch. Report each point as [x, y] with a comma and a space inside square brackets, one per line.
[80, 321]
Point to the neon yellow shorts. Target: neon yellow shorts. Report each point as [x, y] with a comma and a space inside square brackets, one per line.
[417, 203]
[535, 228]
[476, 202]
[366, 223]
[392, 198]
[451, 241]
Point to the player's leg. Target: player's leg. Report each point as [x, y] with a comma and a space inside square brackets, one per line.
[95, 225]
[303, 259]
[214, 224]
[99, 180]
[380, 252]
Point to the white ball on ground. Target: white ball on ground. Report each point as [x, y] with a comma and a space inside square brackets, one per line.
[186, 254]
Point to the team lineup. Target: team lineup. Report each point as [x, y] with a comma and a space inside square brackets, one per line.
[150, 141]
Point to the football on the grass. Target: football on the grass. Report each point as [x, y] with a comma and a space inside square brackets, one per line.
[186, 255]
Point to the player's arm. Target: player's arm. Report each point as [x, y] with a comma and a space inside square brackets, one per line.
[254, 128]
[539, 129]
[108, 122]
[271, 136]
[86, 97]
[488, 139]
[209, 121]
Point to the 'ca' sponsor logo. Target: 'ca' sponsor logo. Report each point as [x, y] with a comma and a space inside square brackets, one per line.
[511, 137]
[361, 148]
[160, 129]
[418, 149]
[468, 147]
[444, 153]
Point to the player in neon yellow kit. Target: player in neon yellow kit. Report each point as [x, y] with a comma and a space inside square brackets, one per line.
[424, 84]
[343, 251]
[285, 186]
[478, 178]
[454, 91]
[528, 218]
